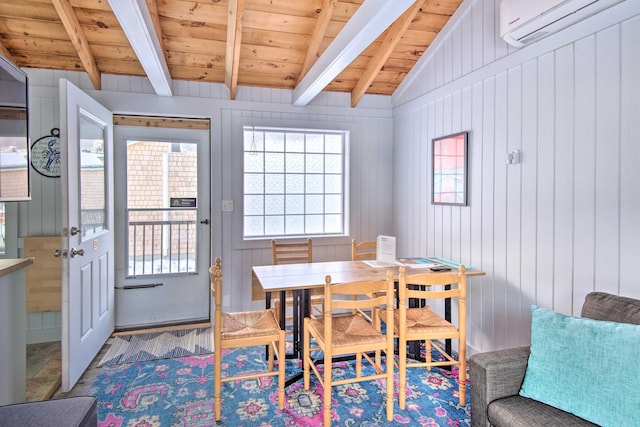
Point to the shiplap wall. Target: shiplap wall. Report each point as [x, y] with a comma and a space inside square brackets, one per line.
[371, 132]
[564, 221]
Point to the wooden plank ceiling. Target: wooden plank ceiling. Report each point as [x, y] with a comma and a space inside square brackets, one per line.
[269, 43]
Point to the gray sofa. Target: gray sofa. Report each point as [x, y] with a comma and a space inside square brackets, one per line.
[78, 411]
[496, 376]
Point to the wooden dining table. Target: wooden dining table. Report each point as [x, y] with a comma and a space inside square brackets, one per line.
[301, 278]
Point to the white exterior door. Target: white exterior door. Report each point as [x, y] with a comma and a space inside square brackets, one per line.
[87, 230]
[163, 225]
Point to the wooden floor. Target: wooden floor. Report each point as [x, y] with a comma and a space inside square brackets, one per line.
[82, 386]
[44, 372]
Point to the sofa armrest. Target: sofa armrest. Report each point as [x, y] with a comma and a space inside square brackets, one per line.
[80, 411]
[494, 375]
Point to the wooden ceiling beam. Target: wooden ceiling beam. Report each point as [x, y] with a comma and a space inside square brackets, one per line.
[79, 40]
[152, 5]
[137, 23]
[389, 43]
[234, 41]
[5, 52]
[371, 19]
[328, 6]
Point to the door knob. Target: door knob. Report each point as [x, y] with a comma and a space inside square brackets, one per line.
[204, 221]
[74, 231]
[75, 252]
[58, 253]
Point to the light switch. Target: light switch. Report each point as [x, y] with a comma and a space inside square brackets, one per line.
[513, 157]
[227, 206]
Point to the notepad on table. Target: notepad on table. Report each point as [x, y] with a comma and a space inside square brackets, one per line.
[385, 252]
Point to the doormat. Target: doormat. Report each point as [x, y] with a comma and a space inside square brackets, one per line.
[158, 345]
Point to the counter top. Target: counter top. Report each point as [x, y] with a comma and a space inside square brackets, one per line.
[14, 264]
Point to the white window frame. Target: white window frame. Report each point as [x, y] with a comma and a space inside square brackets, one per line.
[247, 129]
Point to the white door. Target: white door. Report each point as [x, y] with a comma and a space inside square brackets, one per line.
[87, 230]
[163, 225]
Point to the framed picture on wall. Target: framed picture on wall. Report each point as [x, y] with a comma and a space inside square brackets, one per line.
[449, 166]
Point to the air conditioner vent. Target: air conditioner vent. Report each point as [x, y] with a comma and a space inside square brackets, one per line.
[533, 37]
[526, 21]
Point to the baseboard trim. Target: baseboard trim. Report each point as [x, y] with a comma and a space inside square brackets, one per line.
[36, 336]
[161, 328]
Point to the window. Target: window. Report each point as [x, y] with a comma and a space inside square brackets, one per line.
[161, 211]
[294, 182]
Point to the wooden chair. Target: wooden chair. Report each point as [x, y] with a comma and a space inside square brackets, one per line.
[244, 329]
[344, 333]
[425, 325]
[363, 250]
[291, 253]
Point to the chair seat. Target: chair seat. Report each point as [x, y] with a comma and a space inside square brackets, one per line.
[249, 324]
[422, 320]
[349, 330]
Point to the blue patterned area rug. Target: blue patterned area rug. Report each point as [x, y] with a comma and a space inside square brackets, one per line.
[157, 345]
[179, 392]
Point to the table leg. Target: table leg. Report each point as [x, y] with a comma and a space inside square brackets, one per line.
[267, 305]
[447, 317]
[281, 314]
[283, 310]
[301, 302]
[305, 312]
[296, 324]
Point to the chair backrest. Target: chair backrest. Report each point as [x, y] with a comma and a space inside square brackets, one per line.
[382, 292]
[428, 286]
[290, 253]
[363, 250]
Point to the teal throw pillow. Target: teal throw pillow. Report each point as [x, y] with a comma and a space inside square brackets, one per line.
[590, 368]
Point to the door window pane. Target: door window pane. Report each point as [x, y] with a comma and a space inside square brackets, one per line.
[92, 178]
[162, 200]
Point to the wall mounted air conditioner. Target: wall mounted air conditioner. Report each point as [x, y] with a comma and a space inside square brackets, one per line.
[525, 21]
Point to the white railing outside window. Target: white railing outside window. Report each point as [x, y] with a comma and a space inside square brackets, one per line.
[161, 241]
[294, 182]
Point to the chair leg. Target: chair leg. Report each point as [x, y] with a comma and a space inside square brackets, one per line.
[327, 390]
[427, 353]
[306, 356]
[389, 367]
[217, 382]
[358, 365]
[378, 325]
[462, 372]
[270, 356]
[282, 361]
[402, 372]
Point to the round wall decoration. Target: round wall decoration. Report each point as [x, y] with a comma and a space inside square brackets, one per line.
[45, 154]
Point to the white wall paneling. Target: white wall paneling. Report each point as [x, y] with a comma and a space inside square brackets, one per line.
[561, 223]
[370, 159]
[629, 155]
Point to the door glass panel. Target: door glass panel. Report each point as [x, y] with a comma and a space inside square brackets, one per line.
[92, 178]
[162, 199]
